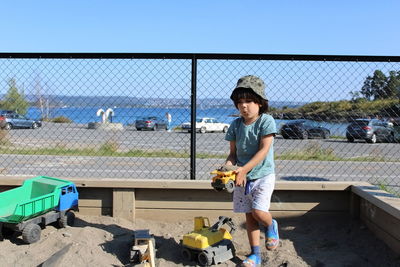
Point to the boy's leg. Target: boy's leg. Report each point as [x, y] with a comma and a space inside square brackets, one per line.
[264, 217]
[242, 204]
[253, 230]
[261, 195]
[253, 233]
[271, 228]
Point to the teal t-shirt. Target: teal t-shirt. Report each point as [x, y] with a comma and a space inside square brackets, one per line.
[248, 138]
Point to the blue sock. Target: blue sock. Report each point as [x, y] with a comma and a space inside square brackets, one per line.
[256, 250]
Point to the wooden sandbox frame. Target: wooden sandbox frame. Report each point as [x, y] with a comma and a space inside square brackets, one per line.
[171, 200]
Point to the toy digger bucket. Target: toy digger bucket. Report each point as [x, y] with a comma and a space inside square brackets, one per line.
[224, 220]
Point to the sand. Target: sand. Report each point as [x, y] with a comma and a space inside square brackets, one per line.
[105, 241]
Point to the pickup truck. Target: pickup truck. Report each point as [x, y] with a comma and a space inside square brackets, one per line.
[38, 202]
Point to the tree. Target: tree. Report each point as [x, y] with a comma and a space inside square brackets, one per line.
[393, 83]
[14, 100]
[381, 87]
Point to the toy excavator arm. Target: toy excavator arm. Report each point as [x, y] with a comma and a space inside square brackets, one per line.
[222, 220]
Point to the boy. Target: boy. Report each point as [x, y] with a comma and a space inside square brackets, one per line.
[251, 139]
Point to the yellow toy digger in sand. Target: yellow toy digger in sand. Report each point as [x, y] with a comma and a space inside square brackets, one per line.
[223, 180]
[209, 245]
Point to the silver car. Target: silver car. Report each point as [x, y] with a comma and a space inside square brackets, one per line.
[14, 120]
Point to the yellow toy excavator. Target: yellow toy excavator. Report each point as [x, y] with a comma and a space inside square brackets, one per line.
[209, 245]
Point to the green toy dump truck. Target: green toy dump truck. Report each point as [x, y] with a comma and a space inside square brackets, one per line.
[38, 202]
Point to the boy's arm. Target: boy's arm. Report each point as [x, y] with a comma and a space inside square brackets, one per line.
[262, 152]
[231, 159]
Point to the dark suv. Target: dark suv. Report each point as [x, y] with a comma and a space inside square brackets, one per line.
[304, 129]
[370, 130]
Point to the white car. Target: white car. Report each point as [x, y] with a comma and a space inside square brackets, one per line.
[204, 125]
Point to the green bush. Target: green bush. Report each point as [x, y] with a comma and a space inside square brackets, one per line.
[60, 119]
[109, 147]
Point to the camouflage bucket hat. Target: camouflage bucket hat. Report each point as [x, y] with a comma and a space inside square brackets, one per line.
[251, 82]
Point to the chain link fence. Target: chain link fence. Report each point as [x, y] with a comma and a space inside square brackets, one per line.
[133, 115]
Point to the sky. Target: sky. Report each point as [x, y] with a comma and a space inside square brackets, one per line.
[337, 27]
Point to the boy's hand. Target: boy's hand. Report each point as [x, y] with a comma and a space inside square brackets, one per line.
[240, 177]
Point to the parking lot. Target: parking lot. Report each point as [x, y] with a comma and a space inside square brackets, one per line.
[78, 136]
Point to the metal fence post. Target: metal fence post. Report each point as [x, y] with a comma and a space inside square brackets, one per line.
[193, 121]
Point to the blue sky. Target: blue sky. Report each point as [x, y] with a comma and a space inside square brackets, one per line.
[267, 27]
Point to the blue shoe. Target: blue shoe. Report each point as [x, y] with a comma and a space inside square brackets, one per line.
[272, 236]
[252, 261]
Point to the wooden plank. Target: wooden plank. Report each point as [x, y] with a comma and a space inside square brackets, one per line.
[92, 195]
[182, 195]
[205, 205]
[96, 203]
[316, 186]
[142, 183]
[173, 215]
[355, 201]
[123, 203]
[185, 184]
[196, 205]
[211, 195]
[328, 200]
[389, 240]
[92, 211]
[281, 200]
[379, 198]
[385, 221]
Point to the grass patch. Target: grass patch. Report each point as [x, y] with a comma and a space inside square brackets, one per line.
[106, 150]
[316, 152]
[337, 137]
[110, 149]
[312, 152]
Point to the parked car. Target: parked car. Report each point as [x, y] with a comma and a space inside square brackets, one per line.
[304, 129]
[151, 123]
[12, 120]
[370, 130]
[204, 125]
[396, 130]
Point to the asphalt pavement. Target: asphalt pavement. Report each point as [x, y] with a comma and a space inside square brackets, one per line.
[78, 136]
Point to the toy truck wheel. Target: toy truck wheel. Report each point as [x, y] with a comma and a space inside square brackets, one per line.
[31, 233]
[205, 259]
[67, 219]
[230, 186]
[187, 254]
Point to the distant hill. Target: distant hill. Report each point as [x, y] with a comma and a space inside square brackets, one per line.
[127, 101]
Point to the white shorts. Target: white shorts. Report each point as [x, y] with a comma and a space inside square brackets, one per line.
[258, 197]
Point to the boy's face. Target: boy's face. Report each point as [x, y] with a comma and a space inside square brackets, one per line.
[248, 108]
